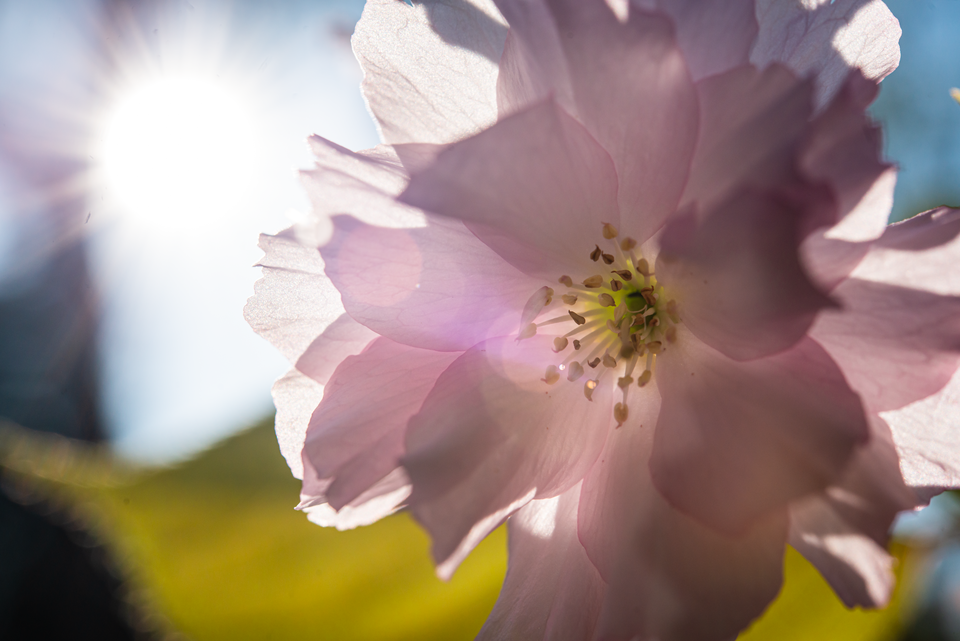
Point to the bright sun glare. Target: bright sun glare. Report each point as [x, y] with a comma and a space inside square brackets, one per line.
[179, 150]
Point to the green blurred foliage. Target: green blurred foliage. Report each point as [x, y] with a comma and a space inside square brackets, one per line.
[214, 548]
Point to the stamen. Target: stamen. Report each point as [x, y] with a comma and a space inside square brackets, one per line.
[596, 253]
[575, 371]
[627, 244]
[609, 361]
[616, 285]
[527, 332]
[588, 388]
[625, 274]
[624, 382]
[593, 282]
[606, 300]
[620, 412]
[645, 378]
[565, 280]
[577, 318]
[594, 362]
[609, 231]
[655, 347]
[643, 267]
[560, 344]
[671, 334]
[569, 299]
[607, 258]
[576, 344]
[619, 312]
[552, 375]
[583, 328]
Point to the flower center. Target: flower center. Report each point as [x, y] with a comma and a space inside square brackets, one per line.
[621, 320]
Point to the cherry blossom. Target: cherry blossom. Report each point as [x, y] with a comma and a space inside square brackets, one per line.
[621, 277]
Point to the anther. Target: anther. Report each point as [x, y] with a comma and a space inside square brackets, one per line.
[620, 412]
[596, 253]
[655, 347]
[527, 332]
[606, 300]
[588, 388]
[643, 267]
[552, 375]
[624, 274]
[619, 312]
[609, 231]
[576, 344]
[560, 343]
[609, 361]
[624, 382]
[672, 311]
[593, 282]
[612, 326]
[569, 299]
[574, 371]
[608, 258]
[645, 377]
[549, 299]
[577, 318]
[627, 244]
[615, 285]
[671, 334]
[565, 280]
[594, 362]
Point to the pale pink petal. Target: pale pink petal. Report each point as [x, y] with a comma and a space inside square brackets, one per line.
[738, 277]
[363, 184]
[535, 187]
[342, 338]
[430, 68]
[844, 531]
[492, 435]
[831, 255]
[735, 441]
[551, 591]
[922, 253]
[895, 345]
[843, 149]
[751, 126]
[828, 38]
[356, 435]
[927, 436]
[533, 66]
[714, 36]
[669, 577]
[294, 301]
[858, 570]
[647, 120]
[296, 396]
[382, 499]
[435, 287]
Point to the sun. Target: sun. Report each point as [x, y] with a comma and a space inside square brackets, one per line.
[179, 151]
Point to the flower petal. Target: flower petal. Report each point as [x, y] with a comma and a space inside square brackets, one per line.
[738, 277]
[714, 36]
[294, 301]
[535, 187]
[751, 125]
[922, 253]
[858, 570]
[735, 441]
[430, 68]
[551, 590]
[895, 345]
[342, 338]
[296, 396]
[844, 531]
[669, 577]
[927, 436]
[491, 436]
[648, 122]
[384, 498]
[356, 435]
[828, 38]
[435, 287]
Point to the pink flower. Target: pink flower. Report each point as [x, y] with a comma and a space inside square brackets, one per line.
[623, 280]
